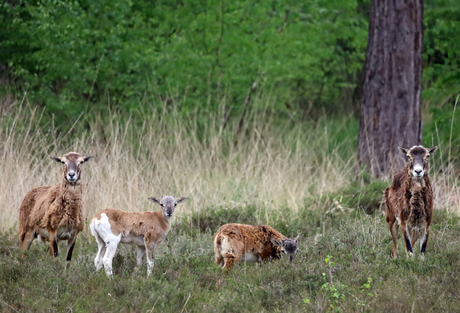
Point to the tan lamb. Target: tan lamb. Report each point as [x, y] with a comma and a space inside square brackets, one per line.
[146, 230]
[409, 201]
[54, 213]
[236, 242]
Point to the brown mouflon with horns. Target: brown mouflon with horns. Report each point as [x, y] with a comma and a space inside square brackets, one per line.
[54, 213]
[409, 200]
[236, 242]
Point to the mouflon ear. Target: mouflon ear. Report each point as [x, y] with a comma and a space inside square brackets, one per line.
[154, 200]
[433, 150]
[297, 239]
[403, 150]
[276, 242]
[88, 158]
[181, 199]
[57, 159]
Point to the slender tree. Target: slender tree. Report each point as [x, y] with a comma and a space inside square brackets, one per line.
[390, 105]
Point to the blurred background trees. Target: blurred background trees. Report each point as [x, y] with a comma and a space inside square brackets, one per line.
[304, 58]
[70, 55]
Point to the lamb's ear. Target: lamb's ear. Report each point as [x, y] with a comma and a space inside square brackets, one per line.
[181, 199]
[433, 150]
[154, 200]
[276, 242]
[57, 159]
[297, 239]
[403, 150]
[88, 158]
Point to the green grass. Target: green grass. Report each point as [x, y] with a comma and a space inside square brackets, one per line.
[343, 265]
[299, 177]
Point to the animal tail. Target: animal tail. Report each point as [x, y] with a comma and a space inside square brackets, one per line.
[228, 252]
[101, 229]
[92, 226]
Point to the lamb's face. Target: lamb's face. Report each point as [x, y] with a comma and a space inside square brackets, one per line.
[168, 204]
[288, 246]
[417, 157]
[72, 162]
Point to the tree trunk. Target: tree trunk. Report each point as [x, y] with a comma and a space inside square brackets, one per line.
[390, 105]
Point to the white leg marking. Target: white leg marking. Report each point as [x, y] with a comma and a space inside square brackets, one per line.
[108, 257]
[150, 261]
[107, 243]
[100, 253]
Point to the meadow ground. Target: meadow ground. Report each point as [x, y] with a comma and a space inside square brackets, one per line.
[343, 265]
[299, 177]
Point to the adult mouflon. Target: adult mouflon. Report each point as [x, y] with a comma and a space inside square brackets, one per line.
[409, 200]
[54, 213]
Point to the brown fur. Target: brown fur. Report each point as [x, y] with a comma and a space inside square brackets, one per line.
[152, 225]
[55, 210]
[232, 241]
[410, 200]
[146, 230]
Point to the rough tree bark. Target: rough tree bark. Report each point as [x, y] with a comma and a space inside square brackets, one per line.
[390, 105]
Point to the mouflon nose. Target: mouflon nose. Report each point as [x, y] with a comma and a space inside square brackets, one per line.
[71, 175]
[418, 172]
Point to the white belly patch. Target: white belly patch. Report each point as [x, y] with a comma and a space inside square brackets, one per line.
[61, 234]
[133, 240]
[250, 257]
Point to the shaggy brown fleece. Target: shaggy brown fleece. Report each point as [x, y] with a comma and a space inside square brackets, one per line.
[54, 212]
[232, 242]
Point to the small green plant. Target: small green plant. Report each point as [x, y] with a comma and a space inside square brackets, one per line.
[335, 292]
[365, 291]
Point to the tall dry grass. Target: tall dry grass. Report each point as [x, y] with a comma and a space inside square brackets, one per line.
[267, 164]
[271, 163]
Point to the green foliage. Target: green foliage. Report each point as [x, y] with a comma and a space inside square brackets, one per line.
[79, 56]
[442, 50]
[359, 194]
[71, 55]
[443, 129]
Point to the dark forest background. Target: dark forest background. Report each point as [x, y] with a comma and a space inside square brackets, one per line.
[74, 57]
